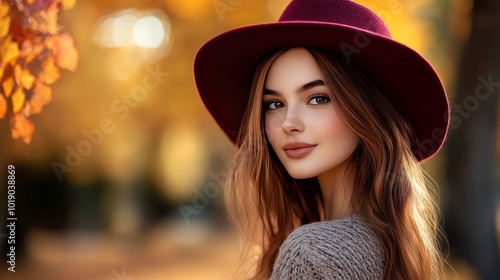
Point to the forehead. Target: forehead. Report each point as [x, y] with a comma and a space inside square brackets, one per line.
[294, 67]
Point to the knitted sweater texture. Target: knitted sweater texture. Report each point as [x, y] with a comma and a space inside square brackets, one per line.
[339, 249]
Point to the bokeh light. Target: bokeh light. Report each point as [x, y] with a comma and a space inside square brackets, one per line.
[183, 160]
[147, 31]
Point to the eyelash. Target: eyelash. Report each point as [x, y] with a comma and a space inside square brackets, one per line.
[269, 102]
[273, 101]
[324, 96]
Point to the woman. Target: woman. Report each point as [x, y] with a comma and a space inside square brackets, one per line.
[331, 118]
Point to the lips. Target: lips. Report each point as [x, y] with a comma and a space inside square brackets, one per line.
[297, 150]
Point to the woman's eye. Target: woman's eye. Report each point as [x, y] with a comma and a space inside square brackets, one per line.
[273, 105]
[318, 100]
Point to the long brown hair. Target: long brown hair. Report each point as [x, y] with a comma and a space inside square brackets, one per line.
[392, 193]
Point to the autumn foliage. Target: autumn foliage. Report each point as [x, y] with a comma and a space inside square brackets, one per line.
[33, 49]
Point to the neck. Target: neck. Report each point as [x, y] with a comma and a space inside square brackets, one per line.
[336, 193]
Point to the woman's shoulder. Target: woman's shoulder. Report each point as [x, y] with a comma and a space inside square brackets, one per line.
[340, 232]
[339, 249]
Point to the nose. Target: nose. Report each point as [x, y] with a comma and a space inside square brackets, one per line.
[292, 123]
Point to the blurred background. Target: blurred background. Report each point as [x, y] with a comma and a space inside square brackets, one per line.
[123, 175]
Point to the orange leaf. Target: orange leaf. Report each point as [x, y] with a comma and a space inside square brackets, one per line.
[33, 6]
[5, 71]
[18, 71]
[44, 20]
[8, 51]
[65, 52]
[32, 54]
[50, 73]
[4, 8]
[3, 106]
[32, 47]
[8, 85]
[27, 79]
[18, 32]
[42, 95]
[18, 99]
[29, 58]
[21, 127]
[4, 25]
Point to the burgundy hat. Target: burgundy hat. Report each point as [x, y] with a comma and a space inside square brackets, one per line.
[225, 65]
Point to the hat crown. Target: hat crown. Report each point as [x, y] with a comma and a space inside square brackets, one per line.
[343, 12]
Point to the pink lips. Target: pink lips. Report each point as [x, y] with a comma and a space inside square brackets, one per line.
[297, 150]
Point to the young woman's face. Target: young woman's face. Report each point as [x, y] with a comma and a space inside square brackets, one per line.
[301, 123]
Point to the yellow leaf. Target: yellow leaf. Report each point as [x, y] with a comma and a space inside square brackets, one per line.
[50, 72]
[8, 50]
[65, 53]
[4, 25]
[21, 127]
[3, 106]
[8, 85]
[18, 71]
[4, 8]
[5, 71]
[27, 79]
[42, 95]
[18, 100]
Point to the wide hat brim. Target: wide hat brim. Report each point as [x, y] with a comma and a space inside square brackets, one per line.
[225, 65]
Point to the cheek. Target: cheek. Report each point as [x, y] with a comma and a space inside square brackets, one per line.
[273, 126]
[332, 128]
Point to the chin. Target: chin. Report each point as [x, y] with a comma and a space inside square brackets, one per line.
[301, 174]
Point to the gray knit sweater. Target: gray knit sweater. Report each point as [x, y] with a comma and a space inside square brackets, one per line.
[339, 249]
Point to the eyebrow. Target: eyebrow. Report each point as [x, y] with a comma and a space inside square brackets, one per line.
[300, 89]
